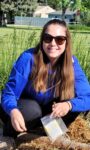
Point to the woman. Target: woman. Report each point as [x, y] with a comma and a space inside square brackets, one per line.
[45, 79]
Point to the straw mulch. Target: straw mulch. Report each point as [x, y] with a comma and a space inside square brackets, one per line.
[77, 138]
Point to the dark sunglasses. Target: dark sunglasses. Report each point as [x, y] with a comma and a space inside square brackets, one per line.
[47, 38]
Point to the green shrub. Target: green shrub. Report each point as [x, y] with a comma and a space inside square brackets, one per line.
[79, 27]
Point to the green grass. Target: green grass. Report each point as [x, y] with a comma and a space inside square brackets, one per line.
[81, 49]
[79, 27]
[14, 40]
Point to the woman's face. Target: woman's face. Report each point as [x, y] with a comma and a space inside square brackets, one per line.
[54, 41]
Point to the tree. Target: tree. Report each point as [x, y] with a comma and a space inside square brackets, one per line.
[8, 9]
[56, 4]
[85, 15]
[25, 8]
[16, 7]
[86, 4]
[64, 5]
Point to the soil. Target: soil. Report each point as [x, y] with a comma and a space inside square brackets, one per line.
[6, 143]
[77, 138]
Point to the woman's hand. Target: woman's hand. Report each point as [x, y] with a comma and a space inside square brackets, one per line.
[17, 120]
[60, 109]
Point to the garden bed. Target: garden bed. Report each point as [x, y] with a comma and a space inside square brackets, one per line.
[78, 139]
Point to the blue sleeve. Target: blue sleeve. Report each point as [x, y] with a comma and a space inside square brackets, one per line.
[17, 81]
[81, 102]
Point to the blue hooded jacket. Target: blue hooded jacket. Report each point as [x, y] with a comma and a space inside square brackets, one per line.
[18, 84]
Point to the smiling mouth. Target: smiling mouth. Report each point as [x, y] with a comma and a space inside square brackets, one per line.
[52, 51]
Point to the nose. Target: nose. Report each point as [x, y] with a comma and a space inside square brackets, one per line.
[53, 42]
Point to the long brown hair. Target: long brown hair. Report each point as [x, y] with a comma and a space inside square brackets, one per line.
[63, 76]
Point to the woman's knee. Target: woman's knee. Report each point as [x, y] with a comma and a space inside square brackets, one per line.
[30, 109]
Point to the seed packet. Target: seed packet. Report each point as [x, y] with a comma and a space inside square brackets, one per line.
[54, 127]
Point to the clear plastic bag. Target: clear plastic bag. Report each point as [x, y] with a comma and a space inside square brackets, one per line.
[54, 127]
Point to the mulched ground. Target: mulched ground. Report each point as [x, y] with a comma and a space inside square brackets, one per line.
[7, 143]
[78, 139]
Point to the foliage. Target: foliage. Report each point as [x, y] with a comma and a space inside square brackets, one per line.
[85, 15]
[82, 5]
[85, 18]
[55, 4]
[79, 27]
[85, 4]
[19, 6]
[73, 4]
[7, 5]
[64, 5]
[27, 7]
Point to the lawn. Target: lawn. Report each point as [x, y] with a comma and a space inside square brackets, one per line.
[15, 40]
